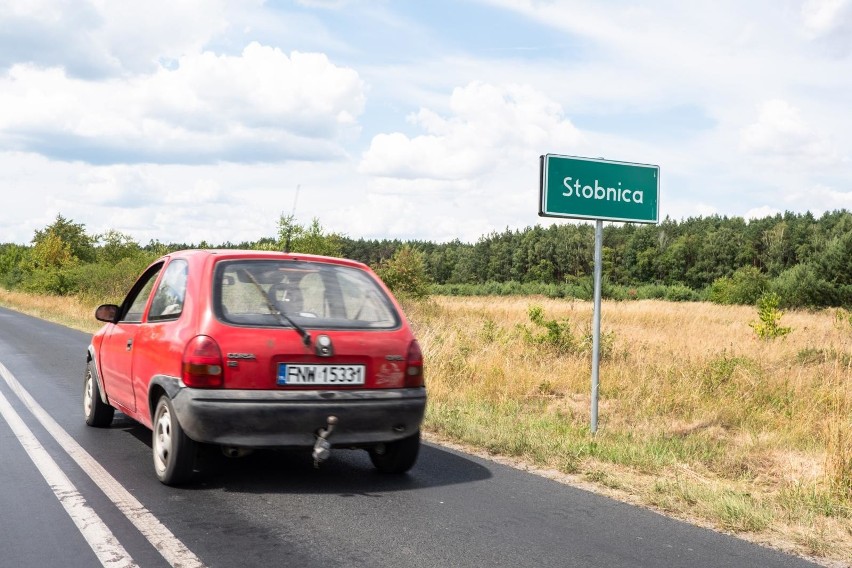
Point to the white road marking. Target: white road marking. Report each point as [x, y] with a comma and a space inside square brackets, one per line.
[104, 544]
[172, 549]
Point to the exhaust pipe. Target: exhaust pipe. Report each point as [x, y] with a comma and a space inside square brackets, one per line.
[231, 452]
[322, 447]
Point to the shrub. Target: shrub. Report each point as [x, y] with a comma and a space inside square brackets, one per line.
[770, 317]
[405, 273]
[557, 333]
[801, 286]
[293, 237]
[559, 336]
[745, 286]
[681, 293]
[106, 281]
[46, 281]
[651, 292]
[843, 319]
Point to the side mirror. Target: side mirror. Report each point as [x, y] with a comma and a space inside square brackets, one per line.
[107, 313]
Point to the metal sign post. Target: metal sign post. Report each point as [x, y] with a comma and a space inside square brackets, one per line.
[588, 188]
[596, 325]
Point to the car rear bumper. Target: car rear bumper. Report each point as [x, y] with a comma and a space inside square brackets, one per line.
[267, 419]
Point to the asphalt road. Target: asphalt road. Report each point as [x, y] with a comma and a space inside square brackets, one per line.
[275, 509]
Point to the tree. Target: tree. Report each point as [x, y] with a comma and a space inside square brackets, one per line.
[405, 273]
[293, 237]
[80, 245]
[116, 246]
[51, 253]
[12, 257]
[745, 286]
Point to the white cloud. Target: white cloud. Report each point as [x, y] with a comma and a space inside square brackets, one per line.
[829, 21]
[140, 34]
[761, 212]
[678, 208]
[488, 126]
[304, 93]
[143, 186]
[781, 133]
[819, 198]
[327, 4]
[96, 38]
[155, 119]
[118, 186]
[259, 106]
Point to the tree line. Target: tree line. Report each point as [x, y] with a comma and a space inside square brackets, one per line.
[805, 260]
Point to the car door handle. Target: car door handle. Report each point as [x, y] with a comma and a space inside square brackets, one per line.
[129, 344]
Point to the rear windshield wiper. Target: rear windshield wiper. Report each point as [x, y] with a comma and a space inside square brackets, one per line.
[282, 316]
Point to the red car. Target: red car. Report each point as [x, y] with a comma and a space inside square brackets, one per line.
[257, 349]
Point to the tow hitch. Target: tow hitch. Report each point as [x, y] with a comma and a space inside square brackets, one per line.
[322, 447]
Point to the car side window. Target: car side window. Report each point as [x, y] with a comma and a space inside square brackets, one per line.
[139, 294]
[171, 293]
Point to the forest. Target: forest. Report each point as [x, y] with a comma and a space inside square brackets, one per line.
[805, 260]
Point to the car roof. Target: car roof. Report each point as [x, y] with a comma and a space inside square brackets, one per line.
[240, 254]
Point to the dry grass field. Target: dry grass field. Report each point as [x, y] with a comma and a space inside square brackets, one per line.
[698, 419]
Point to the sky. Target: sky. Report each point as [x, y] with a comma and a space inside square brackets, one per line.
[189, 121]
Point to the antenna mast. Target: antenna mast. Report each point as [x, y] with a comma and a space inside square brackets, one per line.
[292, 219]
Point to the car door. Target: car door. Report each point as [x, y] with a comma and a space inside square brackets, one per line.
[116, 355]
[160, 340]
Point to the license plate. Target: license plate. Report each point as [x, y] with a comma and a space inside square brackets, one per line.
[296, 374]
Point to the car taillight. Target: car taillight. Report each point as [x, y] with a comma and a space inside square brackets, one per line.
[202, 363]
[414, 366]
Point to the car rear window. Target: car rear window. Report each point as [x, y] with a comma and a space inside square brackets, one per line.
[317, 295]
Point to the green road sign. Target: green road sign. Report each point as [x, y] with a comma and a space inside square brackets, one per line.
[587, 188]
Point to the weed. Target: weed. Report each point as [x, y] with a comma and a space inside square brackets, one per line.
[800, 501]
[604, 478]
[547, 388]
[490, 332]
[559, 336]
[816, 542]
[718, 374]
[838, 461]
[811, 356]
[606, 346]
[741, 512]
[843, 319]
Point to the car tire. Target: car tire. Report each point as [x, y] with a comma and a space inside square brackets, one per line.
[98, 413]
[396, 457]
[174, 452]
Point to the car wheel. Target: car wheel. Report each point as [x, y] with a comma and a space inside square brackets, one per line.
[174, 451]
[396, 457]
[97, 412]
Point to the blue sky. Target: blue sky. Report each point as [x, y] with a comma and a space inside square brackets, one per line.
[197, 120]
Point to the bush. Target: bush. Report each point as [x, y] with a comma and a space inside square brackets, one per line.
[405, 273]
[801, 286]
[46, 281]
[559, 336]
[745, 287]
[651, 292]
[12, 257]
[681, 293]
[106, 281]
[770, 318]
